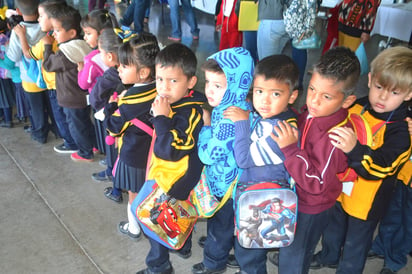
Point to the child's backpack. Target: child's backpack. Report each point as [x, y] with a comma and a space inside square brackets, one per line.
[299, 18]
[265, 214]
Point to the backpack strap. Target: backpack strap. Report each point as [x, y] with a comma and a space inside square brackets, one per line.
[142, 126]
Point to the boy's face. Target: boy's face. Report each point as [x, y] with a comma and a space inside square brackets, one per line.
[384, 100]
[128, 74]
[91, 36]
[215, 87]
[271, 97]
[44, 20]
[172, 83]
[325, 96]
[59, 33]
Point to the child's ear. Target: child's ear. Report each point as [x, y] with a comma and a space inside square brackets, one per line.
[409, 96]
[349, 101]
[72, 33]
[369, 80]
[144, 73]
[293, 96]
[192, 82]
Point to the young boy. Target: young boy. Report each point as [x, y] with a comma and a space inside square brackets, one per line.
[36, 52]
[177, 120]
[314, 162]
[66, 31]
[275, 86]
[348, 237]
[228, 75]
[36, 97]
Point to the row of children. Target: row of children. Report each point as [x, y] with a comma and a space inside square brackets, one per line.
[159, 93]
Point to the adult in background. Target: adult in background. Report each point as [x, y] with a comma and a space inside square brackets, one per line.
[135, 13]
[175, 20]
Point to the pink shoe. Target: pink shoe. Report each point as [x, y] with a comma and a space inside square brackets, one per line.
[77, 158]
[95, 151]
[174, 39]
[195, 37]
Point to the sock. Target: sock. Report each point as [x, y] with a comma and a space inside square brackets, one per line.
[133, 225]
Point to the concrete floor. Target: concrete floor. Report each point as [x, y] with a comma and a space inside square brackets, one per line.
[55, 219]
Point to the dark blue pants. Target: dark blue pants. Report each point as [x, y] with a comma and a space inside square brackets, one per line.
[347, 241]
[250, 43]
[158, 258]
[394, 240]
[81, 129]
[38, 108]
[251, 260]
[219, 239]
[135, 13]
[300, 57]
[61, 121]
[309, 228]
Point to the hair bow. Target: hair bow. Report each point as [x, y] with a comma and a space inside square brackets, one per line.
[125, 33]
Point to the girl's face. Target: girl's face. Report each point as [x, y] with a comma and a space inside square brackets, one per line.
[129, 74]
[44, 20]
[109, 58]
[91, 36]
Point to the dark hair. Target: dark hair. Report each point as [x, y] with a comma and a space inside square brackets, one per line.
[281, 68]
[14, 20]
[109, 41]
[178, 55]
[69, 17]
[99, 19]
[27, 7]
[140, 51]
[211, 65]
[51, 6]
[342, 65]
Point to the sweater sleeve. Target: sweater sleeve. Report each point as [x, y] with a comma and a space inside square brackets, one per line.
[85, 77]
[56, 62]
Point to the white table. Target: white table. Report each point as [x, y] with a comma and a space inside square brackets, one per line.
[394, 21]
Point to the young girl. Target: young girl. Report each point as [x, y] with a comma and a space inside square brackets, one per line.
[127, 117]
[110, 82]
[93, 65]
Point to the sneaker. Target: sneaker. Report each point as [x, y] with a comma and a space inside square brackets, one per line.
[96, 151]
[386, 270]
[195, 37]
[232, 262]
[27, 129]
[108, 192]
[315, 264]
[148, 271]
[373, 255]
[77, 158]
[174, 39]
[6, 124]
[103, 162]
[63, 149]
[184, 255]
[200, 268]
[202, 241]
[124, 228]
[102, 177]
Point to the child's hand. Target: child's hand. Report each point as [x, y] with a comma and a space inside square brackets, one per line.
[161, 106]
[114, 98]
[343, 138]
[409, 120]
[206, 118]
[285, 134]
[20, 30]
[236, 114]
[80, 66]
[218, 27]
[48, 39]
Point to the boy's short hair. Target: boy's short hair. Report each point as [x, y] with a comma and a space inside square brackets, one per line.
[52, 6]
[178, 55]
[69, 18]
[392, 68]
[27, 7]
[342, 65]
[212, 65]
[281, 68]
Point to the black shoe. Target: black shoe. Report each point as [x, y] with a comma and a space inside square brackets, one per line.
[373, 255]
[315, 264]
[102, 177]
[63, 149]
[273, 257]
[148, 271]
[124, 228]
[108, 193]
[387, 271]
[27, 129]
[200, 268]
[232, 262]
[202, 241]
[184, 255]
[39, 140]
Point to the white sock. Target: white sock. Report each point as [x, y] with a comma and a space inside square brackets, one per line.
[133, 225]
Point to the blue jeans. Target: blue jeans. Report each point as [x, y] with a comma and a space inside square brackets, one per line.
[309, 228]
[175, 18]
[271, 38]
[219, 239]
[135, 13]
[251, 260]
[250, 43]
[353, 235]
[300, 57]
[81, 129]
[158, 258]
[61, 121]
[37, 102]
[394, 240]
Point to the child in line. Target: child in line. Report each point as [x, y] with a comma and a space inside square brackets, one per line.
[177, 119]
[227, 24]
[275, 86]
[93, 66]
[35, 96]
[137, 68]
[106, 85]
[348, 237]
[314, 162]
[66, 31]
[228, 75]
[36, 52]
